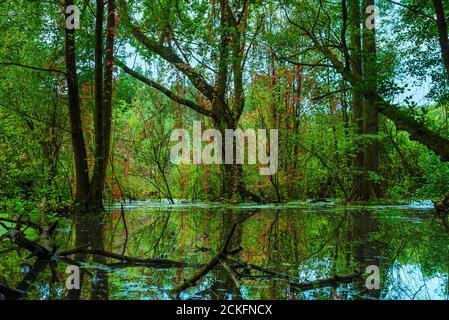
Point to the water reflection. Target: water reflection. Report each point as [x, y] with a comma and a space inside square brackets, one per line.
[90, 233]
[307, 242]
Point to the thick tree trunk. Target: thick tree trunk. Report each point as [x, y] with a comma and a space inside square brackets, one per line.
[97, 182]
[232, 187]
[357, 98]
[89, 193]
[108, 70]
[442, 31]
[103, 101]
[231, 174]
[366, 118]
[78, 142]
[371, 116]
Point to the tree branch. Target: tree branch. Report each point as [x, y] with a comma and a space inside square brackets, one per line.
[8, 64]
[169, 55]
[192, 105]
[131, 260]
[438, 144]
[442, 32]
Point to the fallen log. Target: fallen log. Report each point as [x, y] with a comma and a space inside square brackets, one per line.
[320, 283]
[129, 260]
[192, 281]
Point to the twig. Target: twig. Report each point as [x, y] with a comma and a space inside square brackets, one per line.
[74, 250]
[7, 64]
[163, 265]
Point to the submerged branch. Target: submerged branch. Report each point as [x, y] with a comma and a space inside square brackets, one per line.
[326, 282]
[191, 282]
[293, 282]
[126, 259]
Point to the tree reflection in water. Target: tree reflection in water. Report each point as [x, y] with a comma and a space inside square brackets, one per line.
[161, 246]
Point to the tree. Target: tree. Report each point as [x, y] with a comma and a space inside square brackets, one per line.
[89, 193]
[223, 102]
[403, 120]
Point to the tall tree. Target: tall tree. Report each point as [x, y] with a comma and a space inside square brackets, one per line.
[89, 192]
[225, 97]
[371, 116]
[76, 127]
[357, 97]
[442, 32]
[403, 121]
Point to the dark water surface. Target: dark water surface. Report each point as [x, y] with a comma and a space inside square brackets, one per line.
[306, 241]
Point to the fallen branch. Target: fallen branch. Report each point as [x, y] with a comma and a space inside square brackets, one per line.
[320, 283]
[293, 282]
[130, 260]
[38, 267]
[244, 265]
[155, 265]
[42, 249]
[192, 281]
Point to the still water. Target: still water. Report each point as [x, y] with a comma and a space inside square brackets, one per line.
[307, 241]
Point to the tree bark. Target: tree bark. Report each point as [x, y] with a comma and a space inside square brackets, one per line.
[357, 97]
[78, 142]
[95, 195]
[103, 100]
[442, 32]
[371, 116]
[108, 71]
[89, 193]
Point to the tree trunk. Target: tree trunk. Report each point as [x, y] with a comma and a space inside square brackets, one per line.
[357, 99]
[103, 101]
[78, 143]
[97, 182]
[442, 31]
[89, 193]
[366, 118]
[108, 70]
[371, 116]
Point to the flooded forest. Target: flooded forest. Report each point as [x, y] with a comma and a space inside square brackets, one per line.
[224, 150]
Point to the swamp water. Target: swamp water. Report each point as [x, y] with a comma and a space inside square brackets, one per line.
[306, 241]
